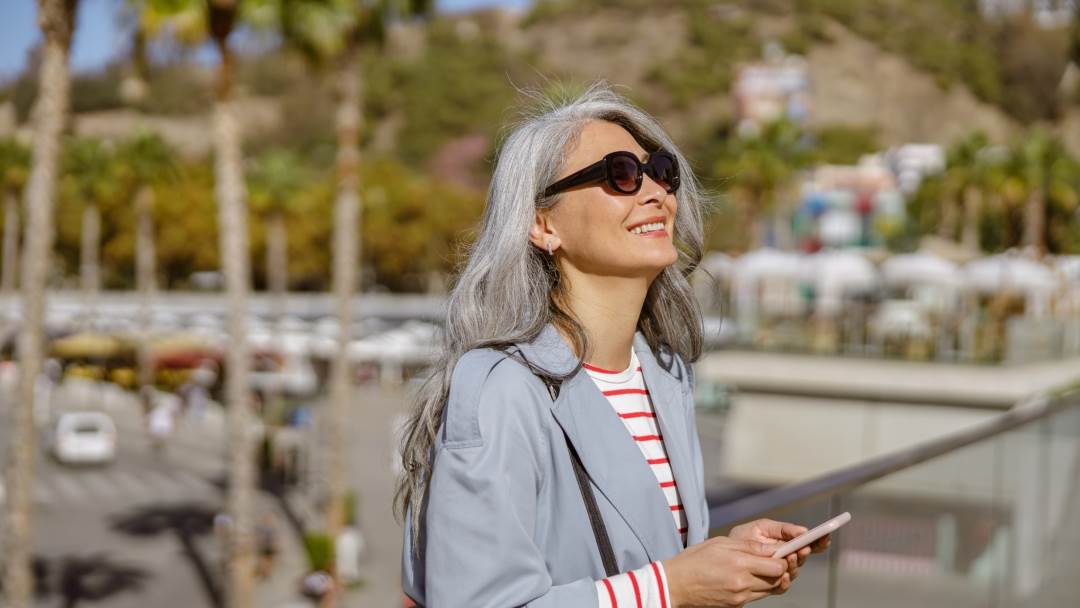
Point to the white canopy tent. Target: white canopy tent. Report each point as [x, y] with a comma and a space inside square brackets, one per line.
[836, 275]
[714, 272]
[1005, 272]
[908, 269]
[765, 280]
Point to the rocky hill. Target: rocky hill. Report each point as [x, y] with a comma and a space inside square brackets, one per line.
[677, 59]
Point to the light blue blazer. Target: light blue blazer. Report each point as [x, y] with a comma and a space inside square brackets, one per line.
[505, 524]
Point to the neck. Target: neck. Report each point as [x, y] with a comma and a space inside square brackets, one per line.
[608, 308]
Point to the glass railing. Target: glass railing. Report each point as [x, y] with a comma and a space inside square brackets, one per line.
[989, 517]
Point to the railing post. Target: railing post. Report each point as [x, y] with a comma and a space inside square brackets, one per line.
[835, 508]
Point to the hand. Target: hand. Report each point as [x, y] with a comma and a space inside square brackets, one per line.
[725, 572]
[767, 531]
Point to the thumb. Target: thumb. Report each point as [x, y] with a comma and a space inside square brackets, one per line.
[758, 548]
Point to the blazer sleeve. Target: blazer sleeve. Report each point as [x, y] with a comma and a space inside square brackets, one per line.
[479, 550]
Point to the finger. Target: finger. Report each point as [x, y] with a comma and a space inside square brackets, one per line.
[783, 584]
[765, 567]
[768, 527]
[793, 573]
[754, 547]
[764, 584]
[779, 530]
[821, 544]
[790, 531]
[802, 555]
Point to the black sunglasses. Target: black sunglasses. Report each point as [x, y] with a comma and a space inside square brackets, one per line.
[624, 173]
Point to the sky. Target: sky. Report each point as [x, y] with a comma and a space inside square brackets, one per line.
[98, 39]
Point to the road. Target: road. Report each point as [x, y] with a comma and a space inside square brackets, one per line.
[136, 532]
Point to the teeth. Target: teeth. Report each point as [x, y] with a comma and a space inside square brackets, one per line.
[648, 228]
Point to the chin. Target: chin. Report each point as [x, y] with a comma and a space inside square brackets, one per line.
[654, 265]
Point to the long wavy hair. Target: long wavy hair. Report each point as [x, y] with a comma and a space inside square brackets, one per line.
[509, 290]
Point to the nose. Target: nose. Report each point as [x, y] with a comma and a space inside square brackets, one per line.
[651, 192]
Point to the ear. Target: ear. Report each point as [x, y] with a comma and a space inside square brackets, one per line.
[541, 233]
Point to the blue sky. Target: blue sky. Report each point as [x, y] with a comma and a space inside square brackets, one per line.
[98, 37]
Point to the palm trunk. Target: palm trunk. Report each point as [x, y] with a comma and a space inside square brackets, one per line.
[346, 244]
[277, 262]
[276, 278]
[972, 210]
[233, 239]
[1035, 221]
[11, 243]
[750, 219]
[56, 18]
[949, 213]
[144, 275]
[89, 266]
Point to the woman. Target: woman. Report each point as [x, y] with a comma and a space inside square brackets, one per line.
[592, 224]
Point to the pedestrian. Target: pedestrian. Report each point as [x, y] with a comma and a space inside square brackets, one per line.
[553, 459]
[162, 420]
[266, 543]
[44, 385]
[348, 549]
[223, 524]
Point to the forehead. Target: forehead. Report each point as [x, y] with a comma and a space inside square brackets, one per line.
[599, 137]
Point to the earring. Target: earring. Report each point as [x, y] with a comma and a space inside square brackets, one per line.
[549, 247]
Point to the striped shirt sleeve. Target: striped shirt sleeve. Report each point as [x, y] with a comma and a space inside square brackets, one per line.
[645, 587]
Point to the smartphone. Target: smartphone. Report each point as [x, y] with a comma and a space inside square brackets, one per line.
[801, 541]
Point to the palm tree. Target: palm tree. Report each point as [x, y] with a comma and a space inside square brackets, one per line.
[57, 21]
[333, 33]
[759, 166]
[90, 170]
[275, 179]
[145, 159]
[968, 176]
[220, 18]
[14, 169]
[233, 236]
[1043, 165]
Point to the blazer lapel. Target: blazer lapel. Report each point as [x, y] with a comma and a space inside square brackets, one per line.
[608, 453]
[669, 401]
[615, 464]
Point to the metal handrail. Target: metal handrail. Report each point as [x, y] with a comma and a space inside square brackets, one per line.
[771, 501]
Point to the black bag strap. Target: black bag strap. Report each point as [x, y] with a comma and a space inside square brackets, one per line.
[603, 542]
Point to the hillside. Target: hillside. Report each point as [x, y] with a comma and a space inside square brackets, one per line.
[456, 78]
[854, 82]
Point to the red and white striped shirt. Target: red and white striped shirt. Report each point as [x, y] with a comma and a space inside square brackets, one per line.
[645, 587]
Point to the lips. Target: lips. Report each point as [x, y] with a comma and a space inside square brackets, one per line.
[648, 226]
[642, 229]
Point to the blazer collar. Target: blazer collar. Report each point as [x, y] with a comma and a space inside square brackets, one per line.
[610, 456]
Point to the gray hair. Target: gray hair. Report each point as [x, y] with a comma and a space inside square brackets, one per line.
[509, 290]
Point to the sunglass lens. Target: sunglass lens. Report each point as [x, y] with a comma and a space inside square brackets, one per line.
[663, 170]
[625, 176]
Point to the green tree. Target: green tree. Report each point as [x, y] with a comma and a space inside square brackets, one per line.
[145, 160]
[90, 176]
[275, 180]
[756, 168]
[14, 169]
[968, 177]
[1048, 175]
[57, 21]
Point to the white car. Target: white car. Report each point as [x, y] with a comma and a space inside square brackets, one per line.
[84, 438]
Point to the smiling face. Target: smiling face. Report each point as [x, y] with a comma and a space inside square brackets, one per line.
[600, 231]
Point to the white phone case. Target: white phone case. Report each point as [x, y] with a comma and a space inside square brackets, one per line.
[801, 541]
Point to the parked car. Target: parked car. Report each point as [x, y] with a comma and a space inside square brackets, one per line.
[83, 438]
